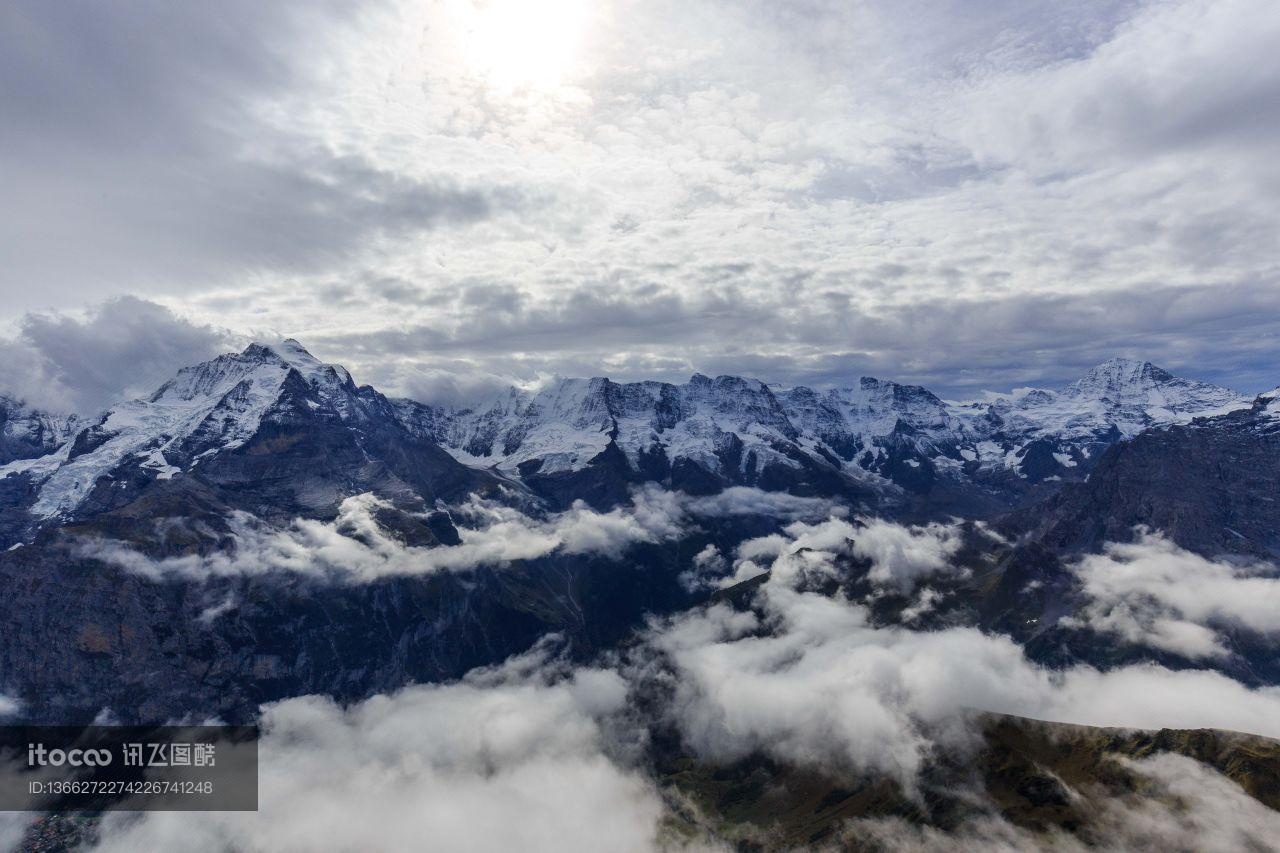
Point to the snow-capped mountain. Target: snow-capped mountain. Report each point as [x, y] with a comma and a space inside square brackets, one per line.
[272, 416]
[1128, 395]
[570, 422]
[736, 430]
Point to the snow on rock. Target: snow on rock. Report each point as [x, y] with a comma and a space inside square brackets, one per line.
[27, 433]
[1268, 404]
[871, 426]
[204, 410]
[737, 428]
[1126, 395]
[567, 424]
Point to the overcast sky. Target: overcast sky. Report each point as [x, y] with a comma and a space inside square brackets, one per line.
[968, 194]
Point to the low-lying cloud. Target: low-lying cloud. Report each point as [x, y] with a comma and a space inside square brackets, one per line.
[808, 678]
[355, 546]
[547, 750]
[1153, 593]
[899, 555]
[1188, 806]
[516, 757]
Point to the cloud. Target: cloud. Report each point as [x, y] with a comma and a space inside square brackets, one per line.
[745, 500]
[1151, 592]
[120, 348]
[810, 679]
[514, 757]
[709, 566]
[356, 547]
[900, 555]
[805, 193]
[1159, 85]
[182, 168]
[805, 678]
[1208, 810]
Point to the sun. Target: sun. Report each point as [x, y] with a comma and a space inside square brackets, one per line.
[524, 44]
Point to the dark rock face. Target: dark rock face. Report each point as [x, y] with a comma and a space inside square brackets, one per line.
[1212, 486]
[82, 635]
[1050, 780]
[603, 483]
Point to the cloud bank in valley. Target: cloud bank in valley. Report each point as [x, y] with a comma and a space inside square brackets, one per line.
[811, 679]
[1153, 593]
[355, 547]
[516, 757]
[803, 677]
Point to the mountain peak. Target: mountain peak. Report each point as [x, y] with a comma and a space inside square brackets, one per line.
[287, 349]
[1119, 376]
[1137, 393]
[1128, 369]
[291, 353]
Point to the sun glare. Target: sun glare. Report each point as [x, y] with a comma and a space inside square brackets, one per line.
[516, 44]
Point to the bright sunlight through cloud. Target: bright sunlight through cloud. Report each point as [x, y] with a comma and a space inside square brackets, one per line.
[518, 44]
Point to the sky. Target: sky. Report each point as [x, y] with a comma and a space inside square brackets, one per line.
[447, 194]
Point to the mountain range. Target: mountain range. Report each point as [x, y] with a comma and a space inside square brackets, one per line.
[899, 449]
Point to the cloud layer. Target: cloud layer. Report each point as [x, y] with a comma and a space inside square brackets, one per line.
[803, 192]
[514, 757]
[810, 679]
[355, 547]
[549, 750]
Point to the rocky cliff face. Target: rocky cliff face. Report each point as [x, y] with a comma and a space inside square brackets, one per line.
[1213, 486]
[27, 433]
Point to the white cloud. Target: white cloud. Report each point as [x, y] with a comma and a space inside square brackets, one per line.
[709, 567]
[809, 679]
[1151, 592]
[745, 500]
[1200, 810]
[1184, 805]
[355, 547]
[516, 757]
[803, 192]
[900, 555]
[804, 678]
[120, 348]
